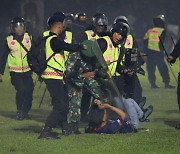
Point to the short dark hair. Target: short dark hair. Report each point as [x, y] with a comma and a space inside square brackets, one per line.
[55, 18]
[95, 116]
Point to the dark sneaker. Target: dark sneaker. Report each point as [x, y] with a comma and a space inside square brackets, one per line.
[147, 113]
[47, 134]
[178, 126]
[142, 103]
[155, 86]
[169, 86]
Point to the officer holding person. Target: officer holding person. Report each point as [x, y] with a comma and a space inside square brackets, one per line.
[153, 41]
[21, 75]
[129, 84]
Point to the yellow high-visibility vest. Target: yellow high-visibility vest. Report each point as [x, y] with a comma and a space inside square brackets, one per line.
[57, 62]
[153, 38]
[17, 59]
[90, 34]
[111, 54]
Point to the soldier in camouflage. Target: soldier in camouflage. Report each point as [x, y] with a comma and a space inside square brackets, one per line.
[80, 73]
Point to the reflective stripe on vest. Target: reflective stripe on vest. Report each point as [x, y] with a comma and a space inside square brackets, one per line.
[68, 39]
[57, 62]
[153, 38]
[17, 59]
[90, 34]
[111, 54]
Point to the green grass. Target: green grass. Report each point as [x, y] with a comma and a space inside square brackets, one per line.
[21, 136]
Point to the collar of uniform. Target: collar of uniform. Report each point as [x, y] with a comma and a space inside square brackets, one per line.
[52, 33]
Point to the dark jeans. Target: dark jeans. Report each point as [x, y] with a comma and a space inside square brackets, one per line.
[85, 102]
[24, 86]
[58, 95]
[157, 59]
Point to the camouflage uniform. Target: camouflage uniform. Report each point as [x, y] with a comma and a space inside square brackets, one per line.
[75, 67]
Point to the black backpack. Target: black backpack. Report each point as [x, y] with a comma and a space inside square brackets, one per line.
[36, 57]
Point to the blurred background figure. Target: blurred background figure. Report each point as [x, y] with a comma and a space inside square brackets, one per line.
[81, 19]
[153, 46]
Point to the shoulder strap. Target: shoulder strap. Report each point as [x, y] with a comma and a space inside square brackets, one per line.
[23, 46]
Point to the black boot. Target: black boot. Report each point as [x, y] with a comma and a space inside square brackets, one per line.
[66, 129]
[74, 128]
[47, 134]
[167, 85]
[154, 86]
[178, 126]
[22, 116]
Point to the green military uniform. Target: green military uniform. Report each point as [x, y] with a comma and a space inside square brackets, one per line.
[75, 67]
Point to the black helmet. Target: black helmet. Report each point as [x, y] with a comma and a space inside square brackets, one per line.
[58, 13]
[80, 17]
[55, 18]
[69, 16]
[17, 21]
[122, 19]
[121, 28]
[159, 21]
[99, 19]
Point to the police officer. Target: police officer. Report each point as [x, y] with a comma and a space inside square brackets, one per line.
[110, 47]
[21, 75]
[81, 19]
[98, 27]
[131, 85]
[172, 58]
[153, 40]
[53, 77]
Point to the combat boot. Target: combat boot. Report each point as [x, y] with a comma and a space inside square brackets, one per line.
[74, 128]
[47, 134]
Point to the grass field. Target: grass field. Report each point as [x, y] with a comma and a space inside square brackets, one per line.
[21, 136]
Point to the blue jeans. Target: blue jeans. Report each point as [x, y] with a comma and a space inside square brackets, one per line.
[132, 109]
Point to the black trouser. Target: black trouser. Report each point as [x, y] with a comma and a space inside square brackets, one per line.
[85, 102]
[157, 59]
[119, 80]
[24, 86]
[133, 87]
[178, 91]
[59, 112]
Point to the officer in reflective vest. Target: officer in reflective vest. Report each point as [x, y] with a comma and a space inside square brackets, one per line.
[21, 75]
[153, 40]
[53, 77]
[129, 84]
[98, 27]
[66, 35]
[110, 46]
